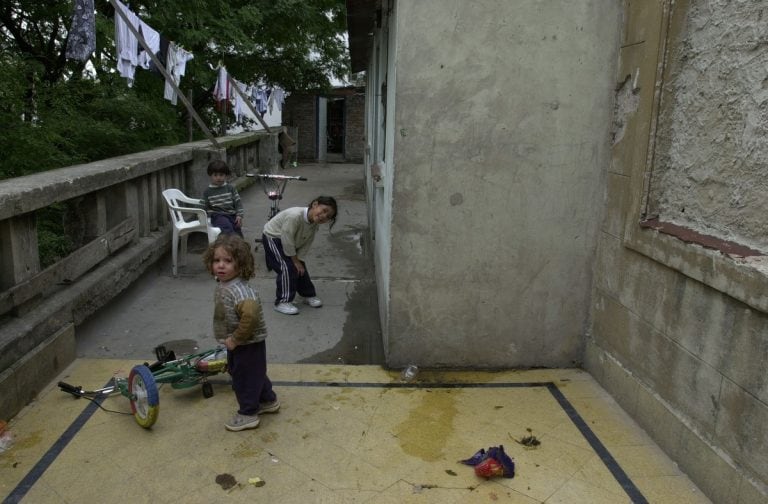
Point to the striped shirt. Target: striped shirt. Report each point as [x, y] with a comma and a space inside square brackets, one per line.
[237, 312]
[223, 199]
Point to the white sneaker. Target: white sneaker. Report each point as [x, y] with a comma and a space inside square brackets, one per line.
[314, 302]
[286, 308]
[241, 422]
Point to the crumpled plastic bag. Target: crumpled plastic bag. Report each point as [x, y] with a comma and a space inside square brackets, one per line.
[491, 462]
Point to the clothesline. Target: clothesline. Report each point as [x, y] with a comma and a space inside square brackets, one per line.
[258, 98]
[138, 45]
[131, 56]
[133, 50]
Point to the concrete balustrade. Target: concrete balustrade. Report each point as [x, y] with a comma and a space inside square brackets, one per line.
[119, 226]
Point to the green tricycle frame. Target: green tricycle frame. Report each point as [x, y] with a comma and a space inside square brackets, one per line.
[141, 387]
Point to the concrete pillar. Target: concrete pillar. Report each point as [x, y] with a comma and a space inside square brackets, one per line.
[196, 172]
[19, 258]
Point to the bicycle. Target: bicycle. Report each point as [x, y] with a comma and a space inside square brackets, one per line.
[274, 187]
[141, 385]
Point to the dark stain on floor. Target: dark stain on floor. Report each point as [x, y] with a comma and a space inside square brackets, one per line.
[226, 481]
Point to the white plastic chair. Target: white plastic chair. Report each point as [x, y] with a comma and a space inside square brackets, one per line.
[196, 221]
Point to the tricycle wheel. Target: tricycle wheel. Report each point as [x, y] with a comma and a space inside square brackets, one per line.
[207, 390]
[142, 392]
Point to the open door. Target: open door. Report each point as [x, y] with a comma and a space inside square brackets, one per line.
[336, 128]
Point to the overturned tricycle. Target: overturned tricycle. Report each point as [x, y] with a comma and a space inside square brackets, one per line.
[141, 385]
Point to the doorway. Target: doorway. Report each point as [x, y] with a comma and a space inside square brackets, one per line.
[335, 129]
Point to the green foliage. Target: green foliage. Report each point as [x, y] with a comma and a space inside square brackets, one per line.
[52, 114]
[53, 242]
[78, 121]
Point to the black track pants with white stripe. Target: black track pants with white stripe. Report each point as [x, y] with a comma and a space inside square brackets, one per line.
[288, 281]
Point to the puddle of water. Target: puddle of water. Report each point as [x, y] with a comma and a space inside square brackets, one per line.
[425, 432]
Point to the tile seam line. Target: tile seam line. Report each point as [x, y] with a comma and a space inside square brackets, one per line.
[610, 462]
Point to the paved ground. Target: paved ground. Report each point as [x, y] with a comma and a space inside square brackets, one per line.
[344, 433]
[161, 309]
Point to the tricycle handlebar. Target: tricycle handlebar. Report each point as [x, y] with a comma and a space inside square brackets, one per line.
[78, 391]
[71, 389]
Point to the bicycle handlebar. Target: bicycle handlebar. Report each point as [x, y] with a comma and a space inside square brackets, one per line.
[77, 391]
[276, 177]
[71, 389]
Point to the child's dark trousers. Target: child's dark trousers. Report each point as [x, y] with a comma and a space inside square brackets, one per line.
[248, 366]
[226, 222]
[288, 280]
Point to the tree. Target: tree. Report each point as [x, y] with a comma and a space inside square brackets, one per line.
[53, 107]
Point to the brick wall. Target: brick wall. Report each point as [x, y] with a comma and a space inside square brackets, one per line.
[354, 136]
[300, 111]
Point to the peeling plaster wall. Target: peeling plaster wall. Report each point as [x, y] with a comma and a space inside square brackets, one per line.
[679, 333]
[711, 166]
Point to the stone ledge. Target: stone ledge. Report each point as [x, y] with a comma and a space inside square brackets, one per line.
[26, 341]
[742, 278]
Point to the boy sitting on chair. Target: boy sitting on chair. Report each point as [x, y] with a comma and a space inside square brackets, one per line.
[222, 201]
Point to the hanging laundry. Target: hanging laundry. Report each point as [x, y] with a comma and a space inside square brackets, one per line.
[260, 99]
[162, 56]
[271, 100]
[221, 91]
[240, 105]
[81, 41]
[126, 43]
[176, 64]
[152, 38]
[277, 98]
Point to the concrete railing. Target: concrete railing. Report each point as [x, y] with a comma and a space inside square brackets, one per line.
[118, 224]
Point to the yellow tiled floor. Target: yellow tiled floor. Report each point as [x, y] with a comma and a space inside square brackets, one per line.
[343, 434]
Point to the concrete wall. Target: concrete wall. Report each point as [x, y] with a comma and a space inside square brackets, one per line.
[379, 155]
[496, 175]
[680, 332]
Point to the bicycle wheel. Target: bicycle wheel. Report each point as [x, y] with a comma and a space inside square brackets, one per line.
[142, 392]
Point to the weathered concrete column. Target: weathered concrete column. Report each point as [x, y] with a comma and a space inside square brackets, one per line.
[268, 155]
[196, 179]
[133, 204]
[19, 258]
[94, 215]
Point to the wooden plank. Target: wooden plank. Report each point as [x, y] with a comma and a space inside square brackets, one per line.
[71, 267]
